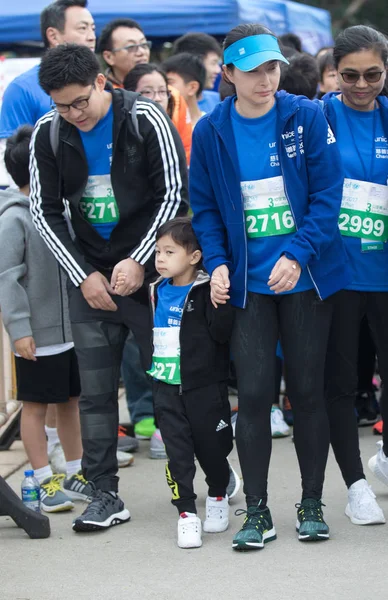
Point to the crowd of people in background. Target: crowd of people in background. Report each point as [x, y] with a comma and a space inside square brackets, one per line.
[229, 203]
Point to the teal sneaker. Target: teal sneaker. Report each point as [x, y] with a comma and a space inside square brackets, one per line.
[310, 523]
[256, 530]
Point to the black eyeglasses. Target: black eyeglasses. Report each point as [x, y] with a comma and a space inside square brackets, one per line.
[133, 48]
[370, 77]
[80, 104]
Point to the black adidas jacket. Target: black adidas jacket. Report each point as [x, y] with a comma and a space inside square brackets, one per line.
[205, 333]
[149, 180]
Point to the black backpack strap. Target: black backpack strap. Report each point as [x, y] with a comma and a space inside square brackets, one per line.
[129, 100]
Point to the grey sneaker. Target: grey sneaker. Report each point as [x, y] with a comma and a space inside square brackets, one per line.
[104, 511]
[77, 488]
[126, 443]
[52, 497]
[157, 447]
[124, 459]
[234, 483]
[57, 459]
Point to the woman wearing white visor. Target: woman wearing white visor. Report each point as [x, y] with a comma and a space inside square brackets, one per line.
[266, 191]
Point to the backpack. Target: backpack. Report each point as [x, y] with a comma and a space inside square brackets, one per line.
[130, 110]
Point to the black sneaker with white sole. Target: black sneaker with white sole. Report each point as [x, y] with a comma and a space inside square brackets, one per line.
[103, 511]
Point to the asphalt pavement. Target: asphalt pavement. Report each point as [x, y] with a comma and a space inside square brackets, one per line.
[140, 559]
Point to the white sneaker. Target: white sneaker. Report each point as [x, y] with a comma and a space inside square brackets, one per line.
[362, 508]
[217, 515]
[124, 459]
[57, 459]
[378, 464]
[279, 427]
[234, 483]
[189, 531]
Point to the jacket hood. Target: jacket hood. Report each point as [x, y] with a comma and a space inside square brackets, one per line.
[202, 277]
[11, 197]
[287, 104]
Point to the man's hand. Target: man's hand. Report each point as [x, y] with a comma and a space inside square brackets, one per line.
[219, 285]
[26, 348]
[96, 289]
[284, 276]
[127, 277]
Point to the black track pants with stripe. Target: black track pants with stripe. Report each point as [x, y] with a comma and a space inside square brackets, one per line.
[99, 338]
[194, 423]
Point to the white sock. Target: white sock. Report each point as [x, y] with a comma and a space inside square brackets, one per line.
[73, 467]
[52, 437]
[43, 473]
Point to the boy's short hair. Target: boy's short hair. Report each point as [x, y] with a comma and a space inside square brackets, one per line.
[291, 40]
[68, 64]
[17, 155]
[326, 62]
[197, 43]
[301, 76]
[181, 231]
[54, 15]
[189, 67]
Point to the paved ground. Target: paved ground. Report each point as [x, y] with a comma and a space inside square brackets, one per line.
[141, 560]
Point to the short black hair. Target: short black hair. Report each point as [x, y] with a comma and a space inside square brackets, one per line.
[357, 38]
[291, 40]
[325, 61]
[66, 65]
[181, 231]
[189, 67]
[105, 39]
[301, 76]
[197, 43]
[17, 155]
[54, 15]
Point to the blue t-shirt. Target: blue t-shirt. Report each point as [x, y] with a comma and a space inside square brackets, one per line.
[24, 102]
[167, 322]
[269, 222]
[208, 101]
[98, 204]
[365, 158]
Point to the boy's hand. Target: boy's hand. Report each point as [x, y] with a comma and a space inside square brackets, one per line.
[26, 348]
[219, 285]
[131, 277]
[96, 289]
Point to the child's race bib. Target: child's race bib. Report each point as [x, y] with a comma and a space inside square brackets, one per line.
[166, 357]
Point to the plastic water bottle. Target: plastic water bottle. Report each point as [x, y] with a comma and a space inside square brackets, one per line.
[31, 491]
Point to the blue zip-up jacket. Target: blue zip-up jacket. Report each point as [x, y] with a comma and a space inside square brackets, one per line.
[326, 104]
[313, 181]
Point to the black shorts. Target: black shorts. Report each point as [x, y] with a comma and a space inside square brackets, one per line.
[49, 379]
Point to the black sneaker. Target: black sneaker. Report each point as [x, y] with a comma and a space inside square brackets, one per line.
[366, 408]
[257, 529]
[310, 523]
[103, 511]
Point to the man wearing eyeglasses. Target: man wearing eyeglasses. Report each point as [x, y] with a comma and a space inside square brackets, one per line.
[121, 166]
[123, 45]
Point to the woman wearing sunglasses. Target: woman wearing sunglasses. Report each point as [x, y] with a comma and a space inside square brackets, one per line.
[265, 190]
[358, 115]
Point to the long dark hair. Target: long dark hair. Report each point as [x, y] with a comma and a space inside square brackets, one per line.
[133, 77]
[358, 38]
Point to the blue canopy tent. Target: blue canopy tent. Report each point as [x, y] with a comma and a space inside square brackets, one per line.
[19, 21]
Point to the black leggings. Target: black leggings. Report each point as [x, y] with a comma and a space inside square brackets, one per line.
[302, 321]
[341, 372]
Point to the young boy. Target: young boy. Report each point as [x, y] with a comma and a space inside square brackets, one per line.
[190, 370]
[187, 74]
[34, 308]
[328, 76]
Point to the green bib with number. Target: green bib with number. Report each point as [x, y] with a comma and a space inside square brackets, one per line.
[364, 212]
[266, 208]
[166, 357]
[98, 204]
